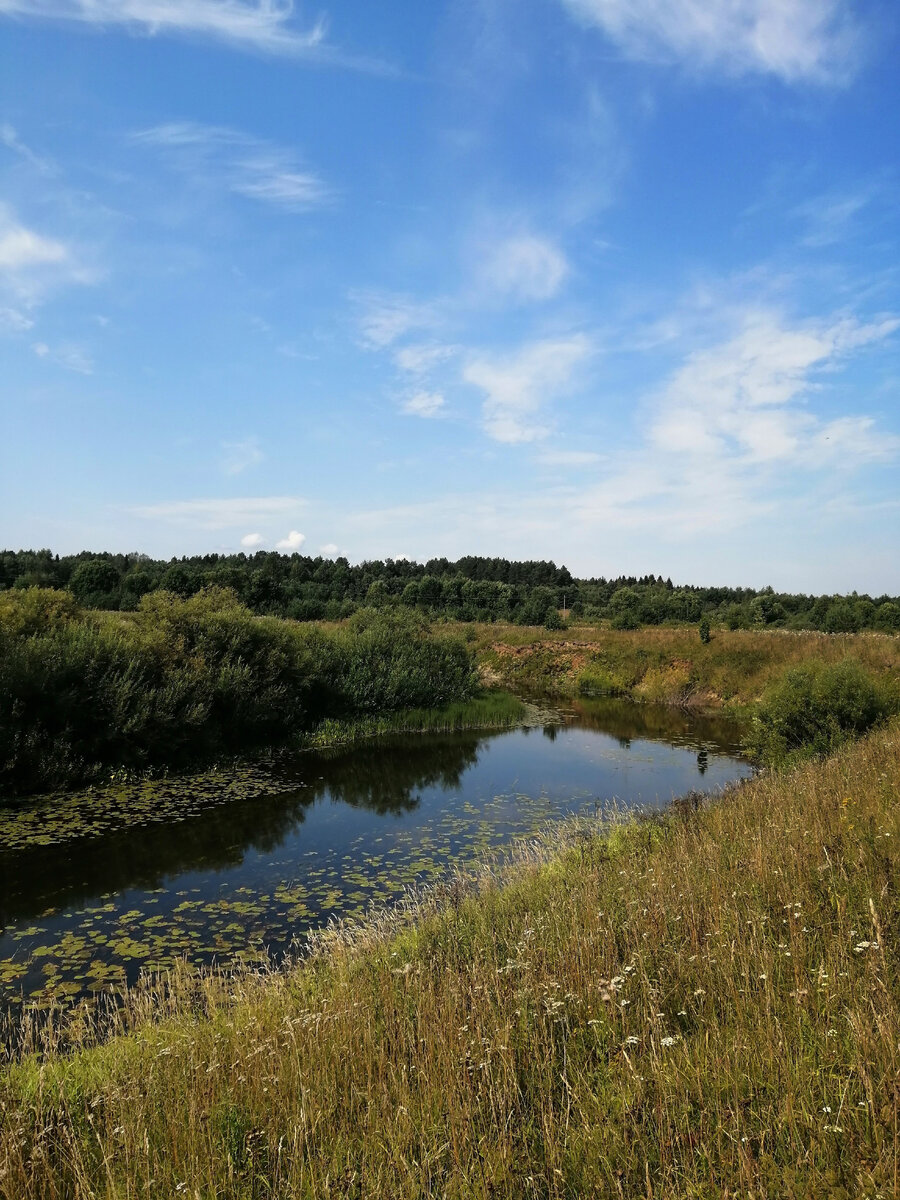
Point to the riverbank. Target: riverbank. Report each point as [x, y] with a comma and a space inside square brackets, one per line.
[702, 1005]
[666, 665]
[180, 684]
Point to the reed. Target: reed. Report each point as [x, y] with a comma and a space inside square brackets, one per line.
[703, 1005]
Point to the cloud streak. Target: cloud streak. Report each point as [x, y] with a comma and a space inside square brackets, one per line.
[265, 26]
[220, 513]
[241, 164]
[797, 41]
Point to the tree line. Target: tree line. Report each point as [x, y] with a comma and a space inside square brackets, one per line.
[472, 588]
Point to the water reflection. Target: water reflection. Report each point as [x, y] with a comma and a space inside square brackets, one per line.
[325, 835]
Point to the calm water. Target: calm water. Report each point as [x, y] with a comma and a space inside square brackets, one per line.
[257, 860]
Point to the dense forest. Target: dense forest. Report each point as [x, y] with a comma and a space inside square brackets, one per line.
[470, 589]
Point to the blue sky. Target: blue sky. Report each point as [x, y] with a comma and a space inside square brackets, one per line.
[613, 282]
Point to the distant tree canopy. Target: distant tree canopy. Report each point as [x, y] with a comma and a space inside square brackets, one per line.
[470, 589]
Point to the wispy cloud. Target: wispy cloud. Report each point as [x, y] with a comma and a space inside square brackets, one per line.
[22, 248]
[745, 398]
[422, 358]
[11, 140]
[518, 387]
[385, 318]
[261, 25]
[423, 404]
[68, 355]
[524, 268]
[795, 40]
[831, 218]
[221, 513]
[239, 456]
[33, 264]
[239, 163]
[13, 321]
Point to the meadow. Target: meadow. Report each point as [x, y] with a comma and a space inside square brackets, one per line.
[668, 664]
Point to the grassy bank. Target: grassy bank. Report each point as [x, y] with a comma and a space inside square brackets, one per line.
[701, 1006]
[667, 665]
[491, 710]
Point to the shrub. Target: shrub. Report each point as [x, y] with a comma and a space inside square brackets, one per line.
[180, 681]
[812, 709]
[705, 636]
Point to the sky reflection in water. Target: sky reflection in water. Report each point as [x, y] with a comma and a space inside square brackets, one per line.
[329, 834]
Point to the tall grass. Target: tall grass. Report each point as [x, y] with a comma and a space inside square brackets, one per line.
[668, 665]
[706, 1005]
[494, 710]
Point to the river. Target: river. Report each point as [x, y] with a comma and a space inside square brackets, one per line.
[96, 886]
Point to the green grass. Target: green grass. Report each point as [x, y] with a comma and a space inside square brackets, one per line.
[703, 1005]
[491, 710]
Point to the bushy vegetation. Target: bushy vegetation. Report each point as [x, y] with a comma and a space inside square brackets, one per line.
[705, 1006]
[814, 709]
[182, 680]
[469, 589]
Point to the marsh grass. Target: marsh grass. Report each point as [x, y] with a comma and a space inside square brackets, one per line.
[491, 710]
[703, 1005]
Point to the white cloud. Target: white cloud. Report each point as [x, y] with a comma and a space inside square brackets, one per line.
[21, 248]
[265, 25]
[386, 318]
[422, 358]
[518, 387]
[424, 404]
[32, 264]
[238, 456]
[794, 40]
[329, 550]
[745, 397]
[221, 513]
[251, 541]
[244, 165]
[292, 542]
[524, 268]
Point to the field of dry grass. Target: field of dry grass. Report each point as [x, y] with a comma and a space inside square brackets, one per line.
[703, 1006]
[664, 664]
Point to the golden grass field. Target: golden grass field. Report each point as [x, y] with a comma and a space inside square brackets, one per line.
[663, 663]
[700, 1006]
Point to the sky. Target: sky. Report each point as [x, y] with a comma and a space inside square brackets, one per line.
[610, 282]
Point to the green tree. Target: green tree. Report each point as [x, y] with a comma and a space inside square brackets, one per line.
[95, 583]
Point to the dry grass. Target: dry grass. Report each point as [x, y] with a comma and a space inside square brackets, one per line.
[666, 664]
[705, 1006]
